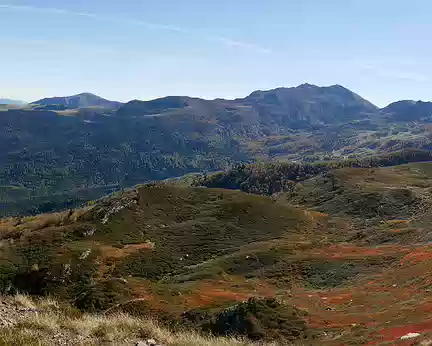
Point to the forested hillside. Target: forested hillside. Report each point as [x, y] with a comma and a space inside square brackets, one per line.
[63, 151]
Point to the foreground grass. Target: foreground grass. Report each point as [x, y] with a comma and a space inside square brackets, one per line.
[54, 324]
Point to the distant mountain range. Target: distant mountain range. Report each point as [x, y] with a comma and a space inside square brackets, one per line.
[284, 108]
[275, 111]
[304, 105]
[82, 100]
[11, 102]
[282, 253]
[50, 161]
[408, 110]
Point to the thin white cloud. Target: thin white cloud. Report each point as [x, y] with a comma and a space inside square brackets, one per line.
[58, 46]
[33, 8]
[86, 14]
[405, 76]
[150, 25]
[393, 70]
[240, 44]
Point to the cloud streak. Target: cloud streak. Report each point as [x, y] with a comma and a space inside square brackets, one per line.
[149, 25]
[394, 72]
[245, 45]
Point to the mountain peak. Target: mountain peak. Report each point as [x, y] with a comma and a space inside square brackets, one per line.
[306, 86]
[333, 87]
[81, 100]
[408, 110]
[156, 106]
[338, 87]
[87, 94]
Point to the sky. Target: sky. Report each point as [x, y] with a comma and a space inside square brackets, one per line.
[144, 49]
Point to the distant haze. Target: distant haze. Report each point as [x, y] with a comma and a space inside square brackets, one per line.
[210, 49]
[11, 102]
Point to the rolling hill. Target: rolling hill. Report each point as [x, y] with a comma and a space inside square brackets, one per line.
[330, 257]
[82, 100]
[408, 110]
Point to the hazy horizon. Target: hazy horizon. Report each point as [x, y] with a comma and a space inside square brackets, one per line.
[193, 96]
[141, 50]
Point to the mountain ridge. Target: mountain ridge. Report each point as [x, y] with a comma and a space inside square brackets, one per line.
[406, 110]
[50, 159]
[266, 248]
[300, 87]
[300, 106]
[80, 100]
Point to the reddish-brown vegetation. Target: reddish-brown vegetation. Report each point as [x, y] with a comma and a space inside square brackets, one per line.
[213, 292]
[113, 252]
[349, 251]
[418, 255]
[395, 333]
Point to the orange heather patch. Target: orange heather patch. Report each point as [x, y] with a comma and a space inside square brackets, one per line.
[346, 251]
[139, 285]
[341, 298]
[141, 289]
[210, 292]
[390, 304]
[313, 214]
[393, 334]
[210, 296]
[373, 282]
[427, 307]
[112, 252]
[332, 319]
[419, 255]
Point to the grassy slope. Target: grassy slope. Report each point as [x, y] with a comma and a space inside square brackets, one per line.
[59, 324]
[178, 248]
[383, 198]
[390, 212]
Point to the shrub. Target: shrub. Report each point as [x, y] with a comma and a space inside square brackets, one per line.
[257, 319]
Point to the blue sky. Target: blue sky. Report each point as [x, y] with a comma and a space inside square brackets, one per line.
[227, 48]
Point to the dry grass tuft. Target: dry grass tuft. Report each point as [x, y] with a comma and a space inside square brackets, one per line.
[54, 326]
[24, 301]
[12, 225]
